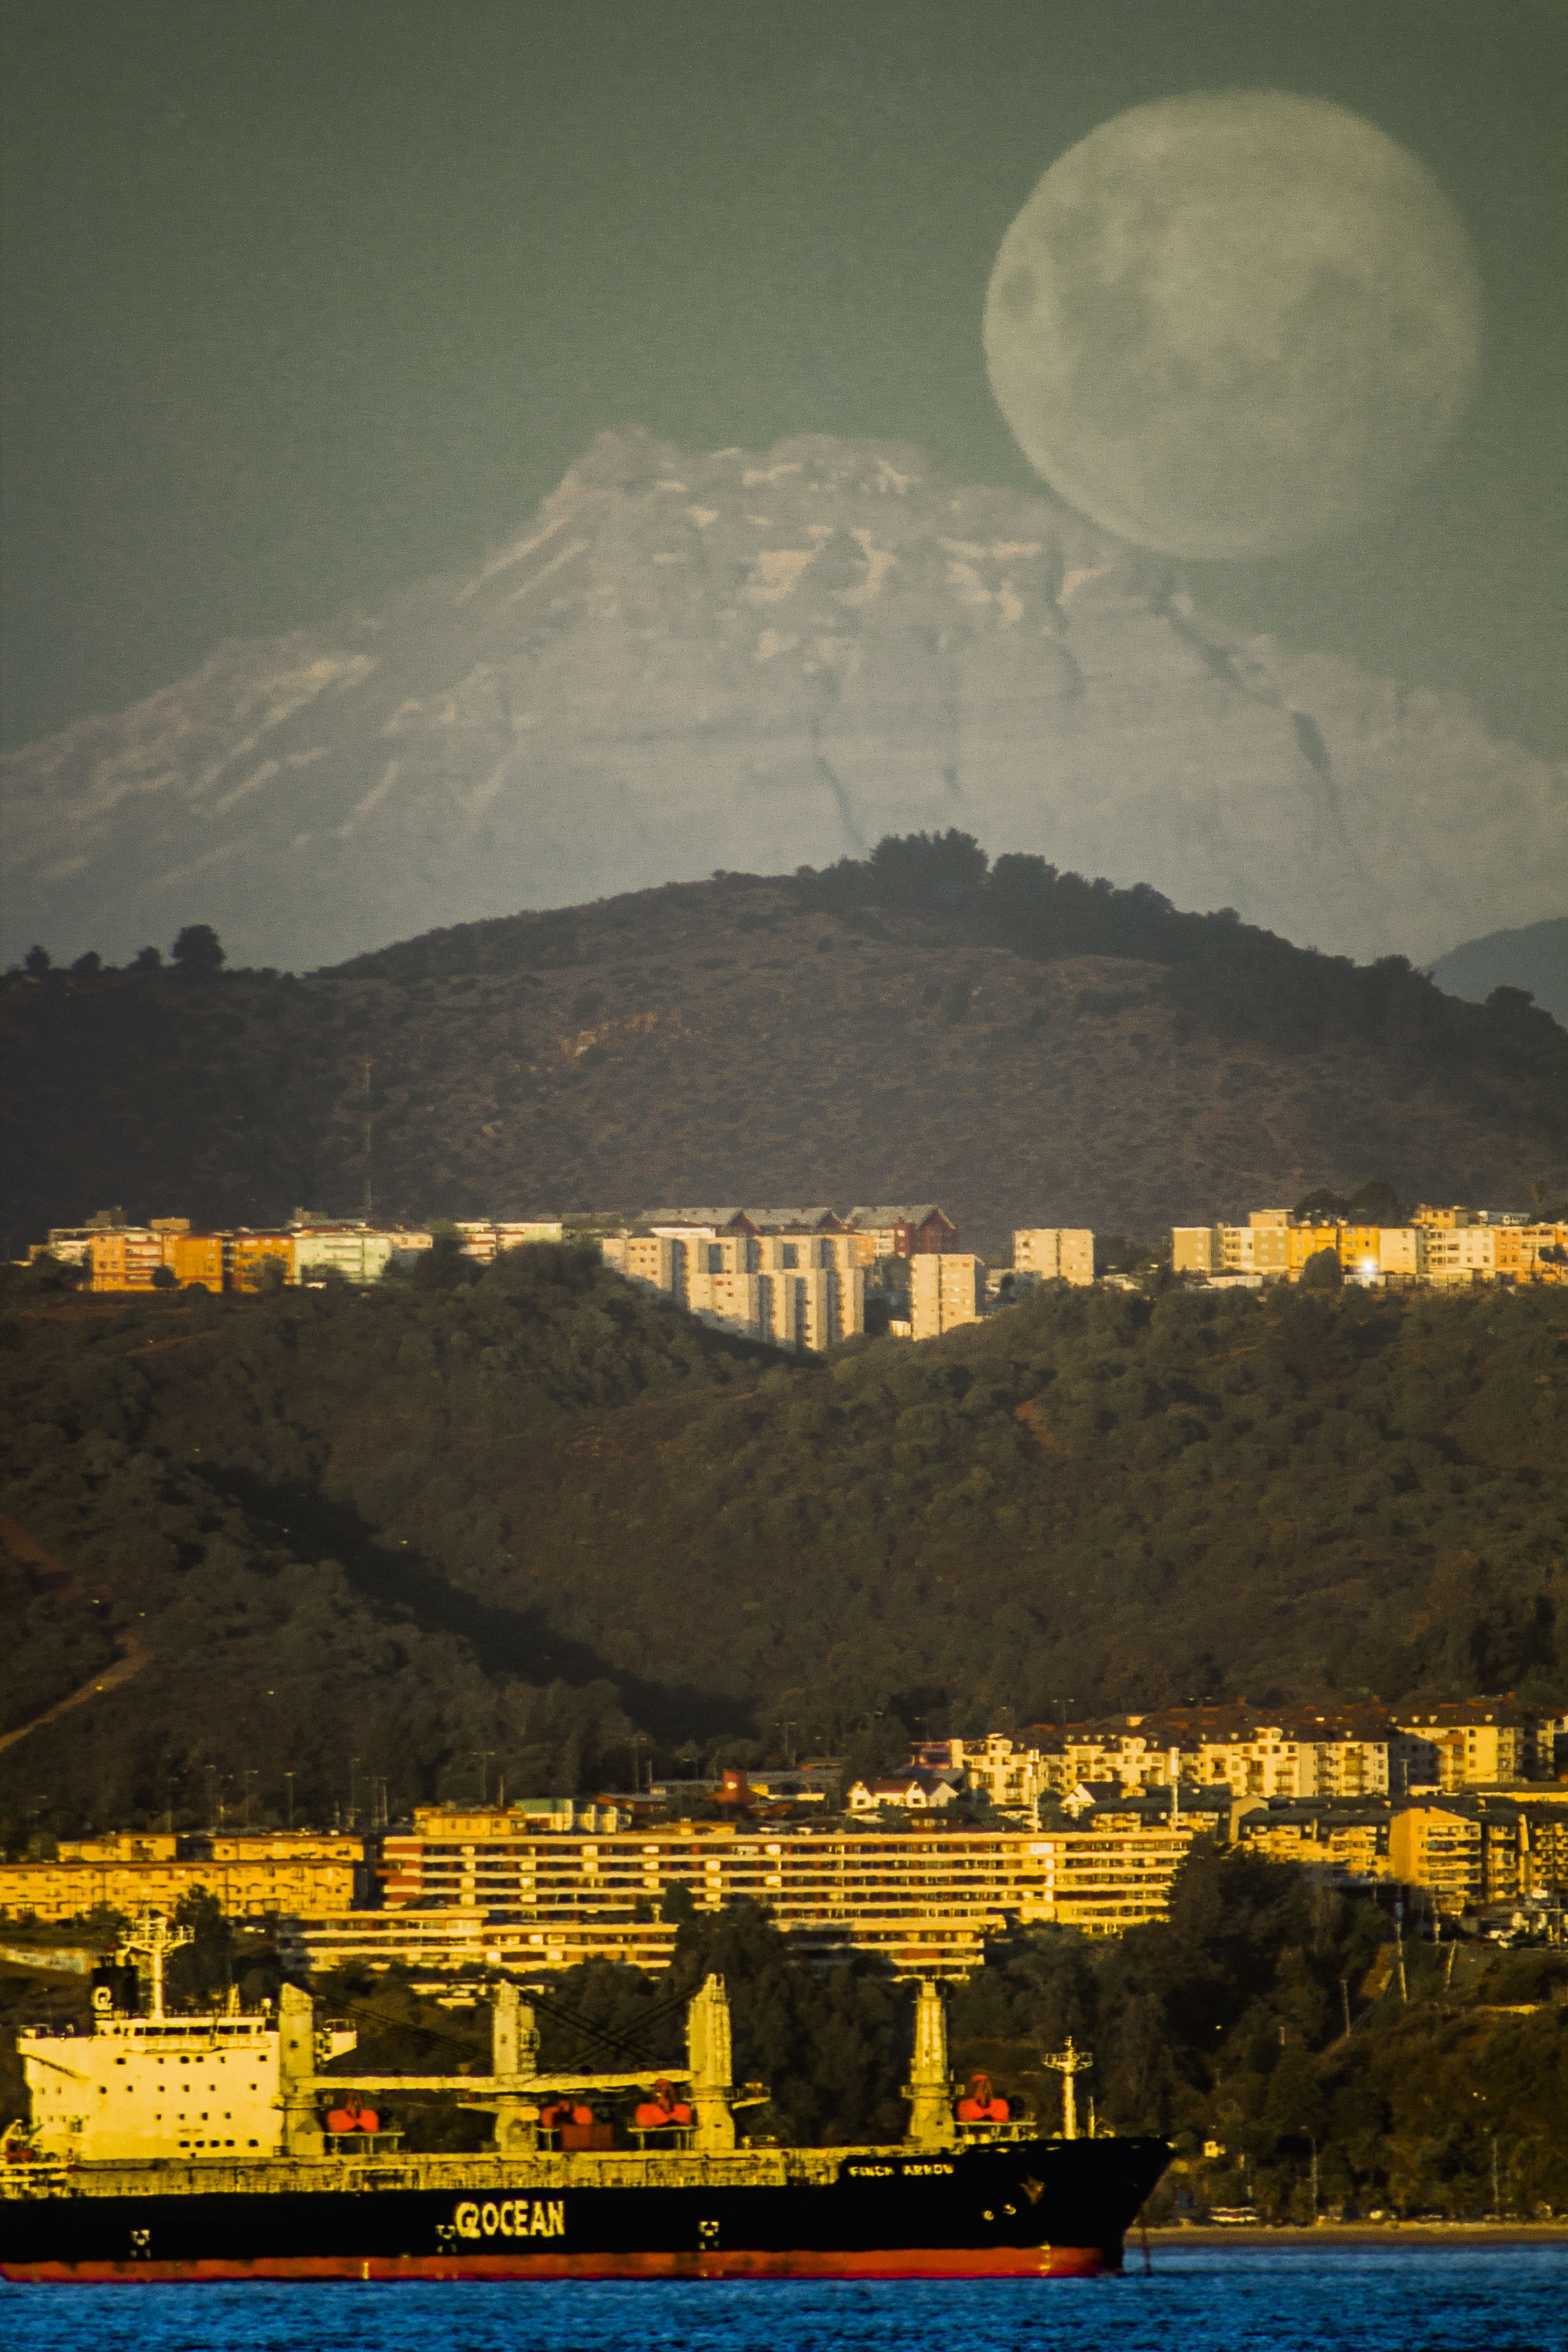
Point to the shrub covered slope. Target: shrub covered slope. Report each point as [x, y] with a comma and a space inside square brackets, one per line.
[1024, 1045]
[531, 1512]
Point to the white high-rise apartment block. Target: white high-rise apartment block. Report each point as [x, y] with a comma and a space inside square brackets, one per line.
[796, 1290]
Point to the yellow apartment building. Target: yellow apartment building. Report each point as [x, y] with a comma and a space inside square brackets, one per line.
[1543, 1859]
[1360, 1249]
[946, 1288]
[1055, 1253]
[1294, 1754]
[1444, 1246]
[249, 1875]
[250, 1254]
[924, 1899]
[1303, 1241]
[1439, 1848]
[1354, 1845]
[1471, 1744]
[196, 1260]
[126, 1258]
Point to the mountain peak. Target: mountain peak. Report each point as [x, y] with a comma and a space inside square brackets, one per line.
[752, 660]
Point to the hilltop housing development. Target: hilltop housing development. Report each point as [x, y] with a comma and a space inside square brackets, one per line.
[792, 1277]
[1437, 1248]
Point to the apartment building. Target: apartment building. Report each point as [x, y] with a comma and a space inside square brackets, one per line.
[256, 1259]
[1543, 1858]
[1296, 1753]
[908, 1229]
[250, 1875]
[484, 1238]
[127, 1257]
[804, 1287]
[1473, 1744]
[197, 1261]
[358, 1253]
[1348, 1842]
[946, 1289]
[1440, 1246]
[1438, 1847]
[1055, 1253]
[1116, 1873]
[924, 1898]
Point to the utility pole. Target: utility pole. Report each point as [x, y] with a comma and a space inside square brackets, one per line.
[369, 1187]
[289, 1783]
[353, 1792]
[1497, 2192]
[1313, 2137]
[211, 1772]
[245, 1782]
[484, 1758]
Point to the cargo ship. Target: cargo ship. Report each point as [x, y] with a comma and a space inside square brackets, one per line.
[164, 2147]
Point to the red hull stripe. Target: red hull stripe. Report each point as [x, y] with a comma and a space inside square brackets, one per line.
[942, 2261]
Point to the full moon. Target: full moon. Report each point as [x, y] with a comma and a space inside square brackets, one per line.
[1232, 324]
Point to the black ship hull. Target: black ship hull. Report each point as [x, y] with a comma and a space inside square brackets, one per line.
[1031, 2208]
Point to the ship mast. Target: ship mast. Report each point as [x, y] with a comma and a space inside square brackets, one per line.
[152, 1935]
[1068, 2064]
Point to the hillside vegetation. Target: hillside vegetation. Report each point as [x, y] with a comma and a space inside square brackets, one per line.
[531, 1512]
[1025, 1046]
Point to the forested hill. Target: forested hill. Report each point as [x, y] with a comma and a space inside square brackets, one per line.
[531, 1513]
[1024, 1046]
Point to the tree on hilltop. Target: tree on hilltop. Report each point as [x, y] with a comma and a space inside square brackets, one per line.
[198, 948]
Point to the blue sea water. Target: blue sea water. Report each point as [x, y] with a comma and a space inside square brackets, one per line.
[1510, 2299]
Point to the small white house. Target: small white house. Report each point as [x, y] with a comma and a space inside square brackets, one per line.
[917, 1792]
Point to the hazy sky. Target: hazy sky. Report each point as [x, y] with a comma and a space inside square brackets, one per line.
[310, 297]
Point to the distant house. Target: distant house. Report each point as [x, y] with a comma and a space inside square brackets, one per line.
[904, 1229]
[678, 1223]
[815, 1220]
[917, 1792]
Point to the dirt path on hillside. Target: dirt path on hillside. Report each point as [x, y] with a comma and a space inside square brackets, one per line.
[55, 1575]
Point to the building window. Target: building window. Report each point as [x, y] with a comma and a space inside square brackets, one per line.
[789, 1255]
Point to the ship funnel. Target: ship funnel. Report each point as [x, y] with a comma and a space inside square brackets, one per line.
[928, 2090]
[708, 2055]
